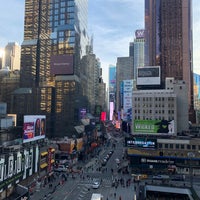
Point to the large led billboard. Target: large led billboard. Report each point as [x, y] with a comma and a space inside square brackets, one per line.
[148, 75]
[141, 142]
[62, 64]
[34, 127]
[153, 127]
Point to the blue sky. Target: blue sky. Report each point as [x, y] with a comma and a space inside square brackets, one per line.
[111, 22]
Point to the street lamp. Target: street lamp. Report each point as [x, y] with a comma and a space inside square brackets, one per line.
[191, 155]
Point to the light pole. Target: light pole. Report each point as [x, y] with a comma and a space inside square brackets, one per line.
[191, 155]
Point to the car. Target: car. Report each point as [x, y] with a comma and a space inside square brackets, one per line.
[61, 168]
[110, 153]
[178, 178]
[95, 184]
[161, 177]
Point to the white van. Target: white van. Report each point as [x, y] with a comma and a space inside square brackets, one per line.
[96, 196]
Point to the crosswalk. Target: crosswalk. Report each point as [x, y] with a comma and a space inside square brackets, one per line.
[105, 182]
[85, 187]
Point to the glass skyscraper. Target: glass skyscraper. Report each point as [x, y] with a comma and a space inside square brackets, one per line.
[168, 40]
[55, 39]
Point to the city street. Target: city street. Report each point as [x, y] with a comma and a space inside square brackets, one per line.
[115, 182]
[78, 186]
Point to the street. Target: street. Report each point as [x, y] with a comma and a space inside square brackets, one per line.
[78, 186]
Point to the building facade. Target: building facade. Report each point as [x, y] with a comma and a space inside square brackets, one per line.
[138, 55]
[168, 44]
[55, 39]
[12, 56]
[155, 109]
[124, 71]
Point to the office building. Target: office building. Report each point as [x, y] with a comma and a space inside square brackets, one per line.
[124, 71]
[55, 39]
[12, 56]
[160, 112]
[168, 41]
[138, 54]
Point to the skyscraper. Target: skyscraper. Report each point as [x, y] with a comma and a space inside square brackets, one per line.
[55, 39]
[12, 56]
[168, 26]
[138, 56]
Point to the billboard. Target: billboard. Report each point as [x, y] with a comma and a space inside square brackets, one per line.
[127, 97]
[34, 127]
[148, 75]
[62, 64]
[153, 127]
[103, 116]
[83, 113]
[112, 107]
[141, 142]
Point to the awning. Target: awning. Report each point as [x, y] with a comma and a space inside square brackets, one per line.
[44, 153]
[42, 166]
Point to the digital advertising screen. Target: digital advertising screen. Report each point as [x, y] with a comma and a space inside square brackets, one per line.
[34, 127]
[154, 127]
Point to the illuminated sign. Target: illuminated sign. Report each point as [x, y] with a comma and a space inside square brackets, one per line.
[153, 126]
[141, 142]
[34, 127]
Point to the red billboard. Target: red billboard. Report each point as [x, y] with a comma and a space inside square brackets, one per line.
[62, 64]
[34, 127]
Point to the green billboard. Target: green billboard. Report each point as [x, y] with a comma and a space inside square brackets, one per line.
[153, 126]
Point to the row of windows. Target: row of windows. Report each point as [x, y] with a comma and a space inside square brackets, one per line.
[155, 111]
[179, 146]
[154, 99]
[156, 105]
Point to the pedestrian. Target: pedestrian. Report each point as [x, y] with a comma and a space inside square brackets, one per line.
[120, 198]
[115, 195]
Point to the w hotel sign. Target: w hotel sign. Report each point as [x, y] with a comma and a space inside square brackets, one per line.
[140, 33]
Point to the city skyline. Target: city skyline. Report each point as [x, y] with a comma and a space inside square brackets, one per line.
[111, 27]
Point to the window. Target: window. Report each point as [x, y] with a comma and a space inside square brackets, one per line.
[193, 147]
[166, 146]
[182, 146]
[177, 146]
[171, 146]
[188, 146]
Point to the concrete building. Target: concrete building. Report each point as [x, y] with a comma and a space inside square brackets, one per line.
[9, 81]
[154, 109]
[90, 79]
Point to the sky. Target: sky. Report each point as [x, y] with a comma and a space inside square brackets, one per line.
[112, 23]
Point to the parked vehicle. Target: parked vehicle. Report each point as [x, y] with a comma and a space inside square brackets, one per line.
[95, 184]
[61, 168]
[161, 177]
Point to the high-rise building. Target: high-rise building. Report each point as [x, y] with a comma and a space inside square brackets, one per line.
[112, 83]
[12, 56]
[124, 71]
[168, 40]
[138, 55]
[55, 39]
